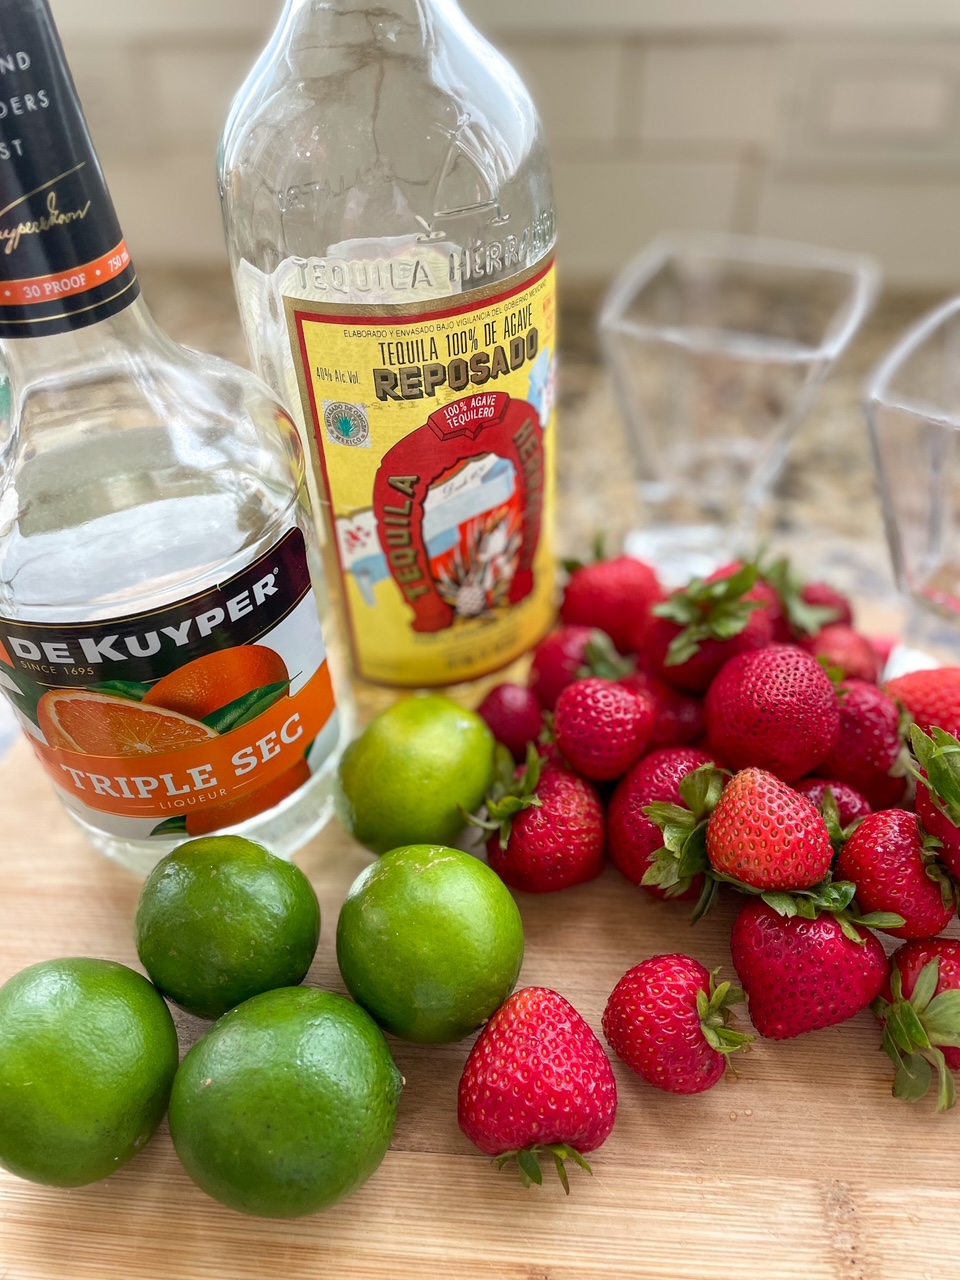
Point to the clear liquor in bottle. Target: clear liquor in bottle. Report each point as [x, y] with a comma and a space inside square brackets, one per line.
[159, 573]
[389, 218]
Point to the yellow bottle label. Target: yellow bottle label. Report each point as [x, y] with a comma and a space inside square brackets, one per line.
[434, 438]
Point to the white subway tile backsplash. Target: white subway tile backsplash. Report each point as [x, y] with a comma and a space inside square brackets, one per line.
[192, 89]
[576, 86]
[851, 141]
[111, 89]
[880, 108]
[608, 209]
[169, 206]
[131, 18]
[722, 93]
[912, 227]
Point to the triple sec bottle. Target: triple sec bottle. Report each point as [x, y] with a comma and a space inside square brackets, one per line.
[389, 217]
[159, 580]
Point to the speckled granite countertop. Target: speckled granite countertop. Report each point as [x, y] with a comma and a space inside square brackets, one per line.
[827, 514]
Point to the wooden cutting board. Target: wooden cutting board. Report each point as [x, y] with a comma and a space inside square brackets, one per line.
[802, 1167]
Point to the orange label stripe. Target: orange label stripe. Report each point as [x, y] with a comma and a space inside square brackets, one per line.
[172, 783]
[61, 284]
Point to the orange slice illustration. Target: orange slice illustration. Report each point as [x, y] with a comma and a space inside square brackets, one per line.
[206, 684]
[102, 725]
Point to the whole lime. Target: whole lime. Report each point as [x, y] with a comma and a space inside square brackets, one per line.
[430, 941]
[88, 1053]
[413, 772]
[287, 1104]
[221, 919]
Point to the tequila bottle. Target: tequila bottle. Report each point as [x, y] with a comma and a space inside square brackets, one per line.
[159, 577]
[389, 218]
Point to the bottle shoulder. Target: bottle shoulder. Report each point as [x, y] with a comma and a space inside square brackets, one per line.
[338, 145]
[321, 101]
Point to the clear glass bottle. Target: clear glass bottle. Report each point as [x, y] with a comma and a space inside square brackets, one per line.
[389, 217]
[159, 574]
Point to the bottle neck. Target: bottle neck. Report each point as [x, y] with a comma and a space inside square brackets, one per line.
[395, 23]
[63, 262]
[76, 354]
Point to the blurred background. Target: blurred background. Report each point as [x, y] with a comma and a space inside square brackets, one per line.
[831, 121]
[834, 122]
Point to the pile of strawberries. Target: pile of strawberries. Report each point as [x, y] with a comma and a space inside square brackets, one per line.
[729, 737]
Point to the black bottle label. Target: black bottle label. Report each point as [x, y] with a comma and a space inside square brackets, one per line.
[63, 260]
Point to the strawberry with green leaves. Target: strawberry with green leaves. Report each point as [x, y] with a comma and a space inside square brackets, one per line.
[893, 863]
[805, 607]
[571, 653]
[764, 835]
[920, 1013]
[537, 1085]
[634, 838]
[841, 648]
[548, 826]
[938, 791]
[681, 862]
[775, 709]
[801, 973]
[851, 806]
[669, 1022]
[694, 632]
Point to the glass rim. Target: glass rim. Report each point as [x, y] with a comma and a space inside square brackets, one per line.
[862, 271]
[877, 384]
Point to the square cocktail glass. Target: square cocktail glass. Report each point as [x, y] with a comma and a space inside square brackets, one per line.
[717, 346]
[913, 411]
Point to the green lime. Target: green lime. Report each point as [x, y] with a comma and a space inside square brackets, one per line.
[221, 919]
[287, 1104]
[429, 940]
[88, 1053]
[413, 772]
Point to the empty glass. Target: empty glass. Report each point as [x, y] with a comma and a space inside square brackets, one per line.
[913, 410]
[717, 346]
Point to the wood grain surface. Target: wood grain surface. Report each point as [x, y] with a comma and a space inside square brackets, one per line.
[800, 1168]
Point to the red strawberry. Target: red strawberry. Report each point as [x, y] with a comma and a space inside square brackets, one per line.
[679, 719]
[761, 591]
[537, 1082]
[938, 792]
[550, 829]
[804, 607]
[895, 870]
[775, 709]
[931, 697]
[514, 715]
[633, 837]
[766, 835]
[851, 805]
[667, 1022]
[569, 654]
[602, 728]
[822, 596]
[847, 650]
[697, 630]
[921, 1030]
[801, 974]
[868, 744]
[614, 595]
